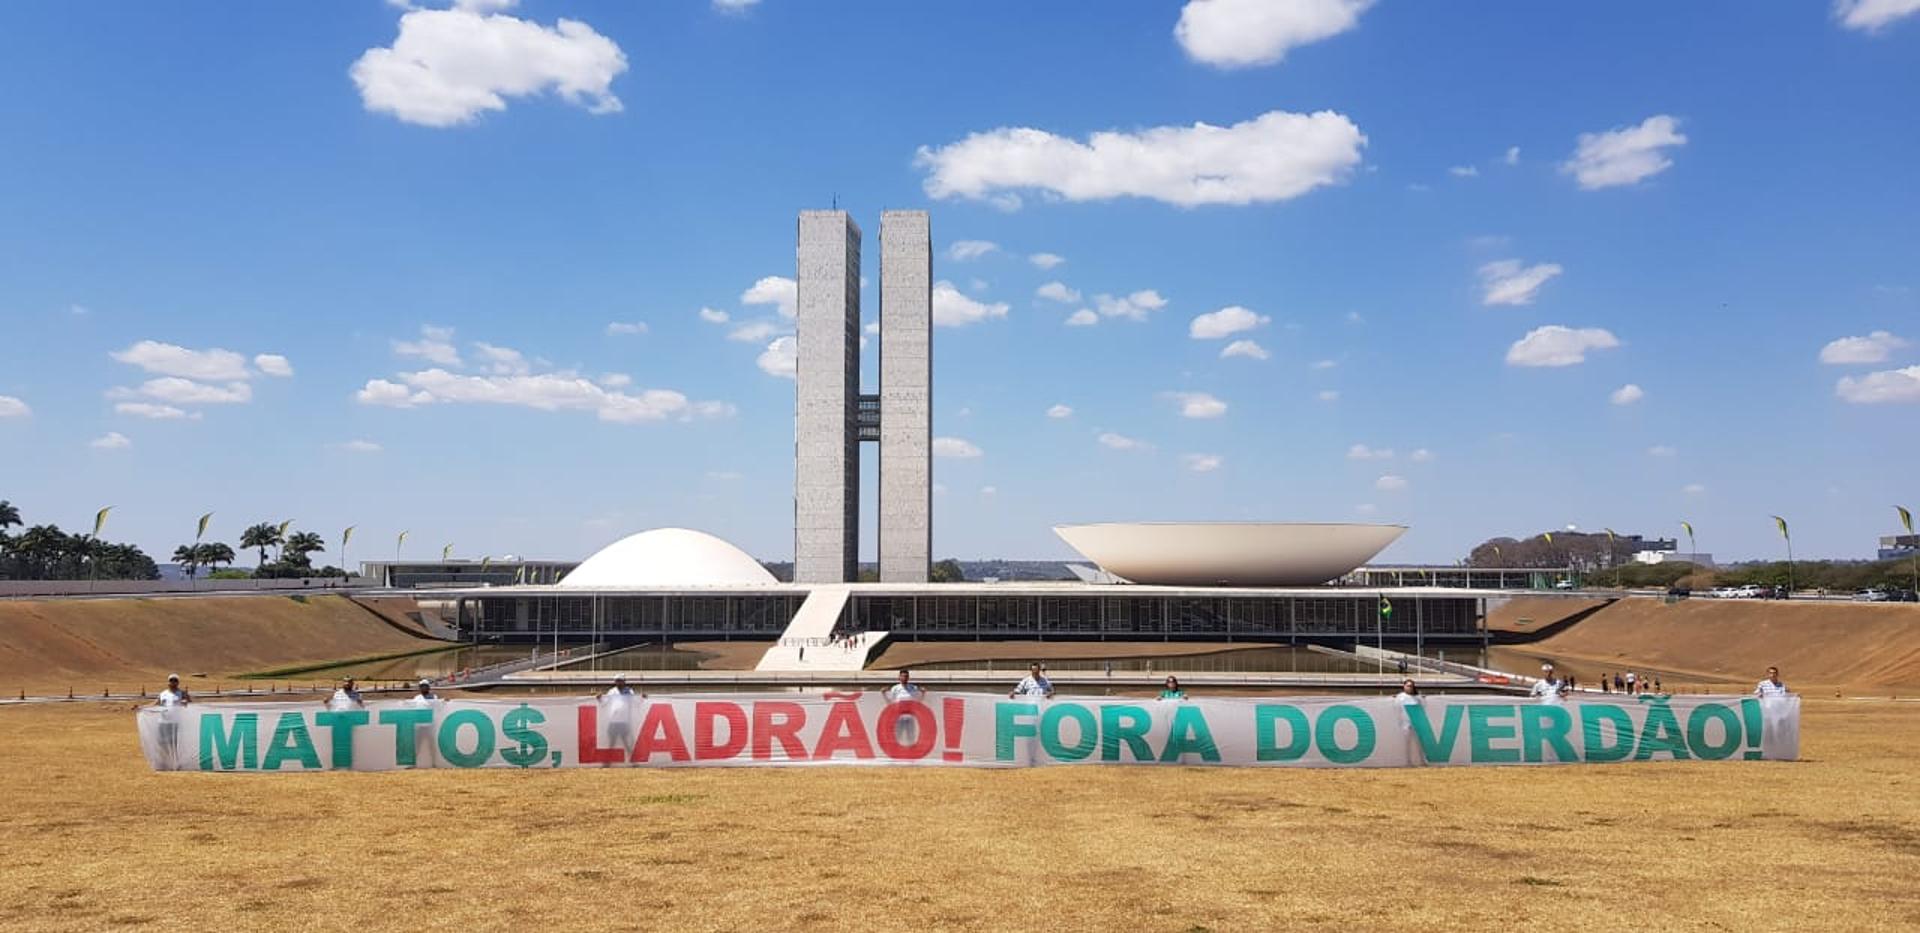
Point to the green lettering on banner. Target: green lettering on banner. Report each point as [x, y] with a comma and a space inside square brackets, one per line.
[1012, 721]
[1730, 736]
[1592, 715]
[1436, 749]
[1661, 733]
[1128, 724]
[223, 750]
[340, 724]
[526, 744]
[1547, 725]
[1326, 736]
[1299, 734]
[1050, 732]
[1482, 731]
[1190, 736]
[450, 739]
[404, 722]
[290, 740]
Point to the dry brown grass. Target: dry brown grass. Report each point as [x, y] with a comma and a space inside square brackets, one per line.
[94, 840]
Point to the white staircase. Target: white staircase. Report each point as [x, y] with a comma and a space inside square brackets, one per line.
[807, 644]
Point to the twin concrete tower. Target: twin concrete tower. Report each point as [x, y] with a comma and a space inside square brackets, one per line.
[832, 417]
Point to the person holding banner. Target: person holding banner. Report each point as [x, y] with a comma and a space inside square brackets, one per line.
[906, 729]
[616, 709]
[424, 748]
[1547, 688]
[346, 697]
[1771, 688]
[1172, 689]
[170, 701]
[1033, 686]
[1408, 697]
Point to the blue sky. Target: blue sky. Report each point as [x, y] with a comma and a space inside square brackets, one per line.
[414, 250]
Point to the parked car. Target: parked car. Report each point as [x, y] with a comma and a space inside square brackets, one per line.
[1563, 584]
[1750, 591]
[1872, 595]
[1679, 592]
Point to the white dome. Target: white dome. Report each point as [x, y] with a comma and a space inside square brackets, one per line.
[1229, 553]
[668, 557]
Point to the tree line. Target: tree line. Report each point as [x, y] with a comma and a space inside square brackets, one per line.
[44, 552]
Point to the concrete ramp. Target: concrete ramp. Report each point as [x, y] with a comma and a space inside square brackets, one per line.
[808, 645]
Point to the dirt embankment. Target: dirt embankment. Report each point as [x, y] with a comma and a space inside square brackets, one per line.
[1814, 644]
[1533, 613]
[909, 653]
[50, 645]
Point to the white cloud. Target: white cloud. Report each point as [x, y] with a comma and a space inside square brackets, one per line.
[1366, 508]
[1323, 364]
[168, 359]
[539, 391]
[1244, 33]
[112, 440]
[1661, 450]
[1218, 325]
[735, 6]
[1328, 395]
[714, 316]
[939, 489]
[753, 331]
[502, 361]
[615, 380]
[1507, 282]
[11, 407]
[873, 327]
[1513, 155]
[1046, 260]
[1892, 385]
[390, 395]
[273, 364]
[952, 308]
[1198, 404]
[1390, 483]
[781, 292]
[446, 67]
[1114, 441]
[955, 448]
[1693, 489]
[1876, 347]
[187, 392]
[1554, 345]
[1058, 291]
[359, 446]
[1244, 348]
[978, 285]
[1464, 171]
[1133, 307]
[780, 358]
[1273, 157]
[724, 475]
[1363, 452]
[1421, 455]
[963, 250]
[78, 310]
[989, 490]
[626, 328]
[1353, 317]
[156, 412]
[1060, 411]
[1202, 463]
[1624, 155]
[1873, 15]
[1627, 394]
[435, 346]
[1082, 318]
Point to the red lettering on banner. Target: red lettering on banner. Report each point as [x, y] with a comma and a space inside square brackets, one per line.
[660, 733]
[785, 729]
[590, 751]
[704, 716]
[843, 732]
[911, 718]
[954, 712]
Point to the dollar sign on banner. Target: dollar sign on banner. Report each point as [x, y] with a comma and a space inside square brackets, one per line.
[518, 727]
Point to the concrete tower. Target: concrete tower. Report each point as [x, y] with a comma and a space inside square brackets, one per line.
[906, 397]
[826, 444]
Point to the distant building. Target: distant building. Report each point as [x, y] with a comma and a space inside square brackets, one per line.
[1895, 547]
[1696, 558]
[423, 574]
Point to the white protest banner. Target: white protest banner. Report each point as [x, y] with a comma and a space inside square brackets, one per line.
[977, 730]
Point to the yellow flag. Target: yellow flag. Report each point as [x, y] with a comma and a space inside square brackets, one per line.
[1688, 528]
[1782, 524]
[1906, 517]
[282, 531]
[486, 560]
[447, 551]
[202, 530]
[1549, 537]
[346, 536]
[1609, 532]
[397, 542]
[100, 520]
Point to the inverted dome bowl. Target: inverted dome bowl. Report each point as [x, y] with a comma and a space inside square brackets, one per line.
[1229, 553]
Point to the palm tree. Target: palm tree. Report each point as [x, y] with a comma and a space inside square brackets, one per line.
[188, 557]
[299, 545]
[9, 516]
[214, 554]
[262, 536]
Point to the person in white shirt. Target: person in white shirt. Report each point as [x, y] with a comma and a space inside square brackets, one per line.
[904, 689]
[1771, 687]
[425, 751]
[1034, 686]
[1633, 683]
[1547, 688]
[426, 696]
[616, 707]
[346, 697]
[171, 702]
[1409, 694]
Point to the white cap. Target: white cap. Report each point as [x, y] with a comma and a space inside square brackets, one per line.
[425, 682]
[173, 676]
[1547, 666]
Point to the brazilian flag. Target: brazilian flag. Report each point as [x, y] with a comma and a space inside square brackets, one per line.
[1386, 608]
